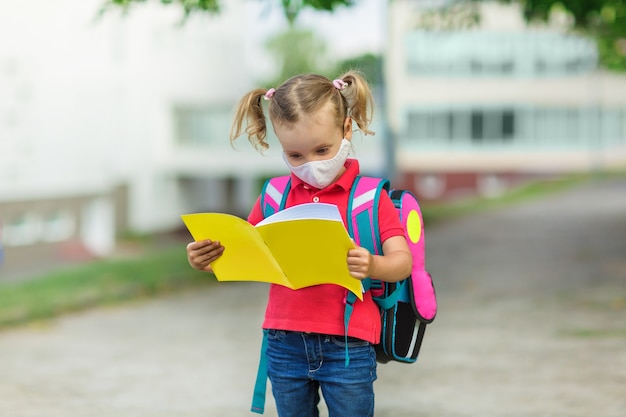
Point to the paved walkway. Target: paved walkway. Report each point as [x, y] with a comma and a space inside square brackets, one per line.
[532, 323]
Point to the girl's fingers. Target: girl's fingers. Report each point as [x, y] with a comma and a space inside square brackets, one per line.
[202, 253]
[208, 257]
[213, 255]
[203, 247]
[359, 261]
[358, 275]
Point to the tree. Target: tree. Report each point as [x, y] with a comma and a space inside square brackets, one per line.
[311, 57]
[291, 8]
[602, 20]
[296, 51]
[369, 64]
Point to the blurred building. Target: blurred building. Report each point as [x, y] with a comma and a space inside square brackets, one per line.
[100, 120]
[480, 110]
[121, 124]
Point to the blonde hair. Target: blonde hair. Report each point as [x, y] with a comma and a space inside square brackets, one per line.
[300, 96]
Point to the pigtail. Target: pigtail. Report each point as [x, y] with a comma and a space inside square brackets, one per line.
[249, 111]
[360, 100]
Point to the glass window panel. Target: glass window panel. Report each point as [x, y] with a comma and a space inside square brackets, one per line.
[477, 126]
[57, 226]
[438, 126]
[612, 129]
[508, 125]
[572, 125]
[492, 125]
[202, 125]
[462, 125]
[473, 53]
[22, 230]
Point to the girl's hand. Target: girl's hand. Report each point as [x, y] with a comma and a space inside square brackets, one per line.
[360, 263]
[200, 254]
[394, 265]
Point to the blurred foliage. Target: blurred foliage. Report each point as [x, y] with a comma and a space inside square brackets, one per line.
[604, 20]
[310, 56]
[188, 6]
[370, 65]
[291, 8]
[296, 51]
[451, 15]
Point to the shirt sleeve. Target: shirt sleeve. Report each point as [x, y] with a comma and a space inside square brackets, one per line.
[389, 223]
[256, 215]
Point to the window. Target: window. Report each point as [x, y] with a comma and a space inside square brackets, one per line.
[495, 54]
[523, 125]
[461, 124]
[203, 126]
[508, 125]
[475, 125]
[57, 226]
[613, 126]
[417, 124]
[21, 230]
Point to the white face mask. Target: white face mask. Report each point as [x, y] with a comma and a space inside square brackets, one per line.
[320, 174]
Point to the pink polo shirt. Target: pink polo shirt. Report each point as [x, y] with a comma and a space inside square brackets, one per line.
[320, 308]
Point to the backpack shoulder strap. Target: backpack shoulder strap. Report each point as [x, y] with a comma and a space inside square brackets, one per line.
[363, 212]
[260, 384]
[363, 227]
[274, 194]
[273, 199]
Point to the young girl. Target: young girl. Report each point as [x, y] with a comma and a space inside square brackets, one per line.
[312, 117]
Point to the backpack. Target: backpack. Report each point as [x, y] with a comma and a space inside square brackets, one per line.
[407, 306]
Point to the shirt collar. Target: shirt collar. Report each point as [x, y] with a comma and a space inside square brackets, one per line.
[344, 181]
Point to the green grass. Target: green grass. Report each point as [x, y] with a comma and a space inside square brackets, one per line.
[164, 270]
[98, 283]
[595, 333]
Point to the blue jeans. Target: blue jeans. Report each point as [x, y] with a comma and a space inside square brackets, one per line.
[300, 364]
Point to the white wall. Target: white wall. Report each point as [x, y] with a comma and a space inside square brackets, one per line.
[86, 103]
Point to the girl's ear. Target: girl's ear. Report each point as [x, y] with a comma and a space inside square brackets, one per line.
[347, 128]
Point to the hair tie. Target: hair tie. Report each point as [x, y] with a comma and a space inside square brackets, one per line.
[340, 84]
[269, 94]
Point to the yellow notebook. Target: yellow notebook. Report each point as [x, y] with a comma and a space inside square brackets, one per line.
[297, 247]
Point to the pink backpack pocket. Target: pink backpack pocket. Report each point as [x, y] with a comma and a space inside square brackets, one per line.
[423, 291]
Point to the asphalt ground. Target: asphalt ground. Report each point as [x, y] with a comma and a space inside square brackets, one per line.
[531, 322]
